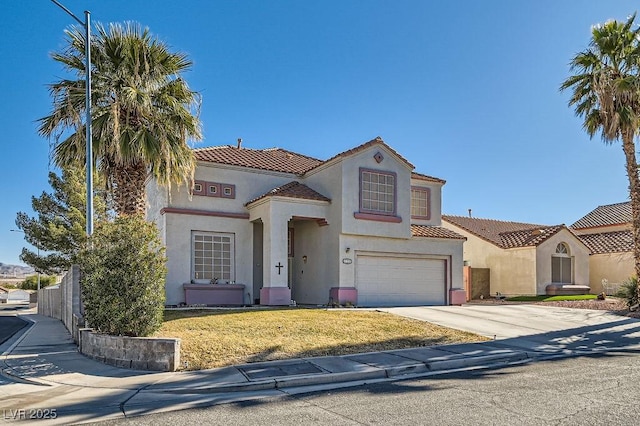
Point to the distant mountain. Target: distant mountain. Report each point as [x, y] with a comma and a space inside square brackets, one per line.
[7, 270]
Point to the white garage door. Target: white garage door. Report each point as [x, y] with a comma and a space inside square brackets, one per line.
[397, 281]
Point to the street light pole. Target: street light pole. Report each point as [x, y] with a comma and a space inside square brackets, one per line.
[89, 138]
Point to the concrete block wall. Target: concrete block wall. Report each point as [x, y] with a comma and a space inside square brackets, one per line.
[140, 353]
[63, 301]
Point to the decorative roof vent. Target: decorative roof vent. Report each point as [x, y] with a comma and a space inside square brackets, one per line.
[378, 157]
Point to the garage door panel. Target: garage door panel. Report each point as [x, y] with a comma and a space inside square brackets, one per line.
[387, 280]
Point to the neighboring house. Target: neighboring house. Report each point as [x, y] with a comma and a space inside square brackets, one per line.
[18, 296]
[359, 228]
[523, 258]
[607, 232]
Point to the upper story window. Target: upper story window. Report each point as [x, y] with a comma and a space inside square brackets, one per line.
[377, 192]
[420, 203]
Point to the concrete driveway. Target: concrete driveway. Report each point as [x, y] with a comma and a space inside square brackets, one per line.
[504, 321]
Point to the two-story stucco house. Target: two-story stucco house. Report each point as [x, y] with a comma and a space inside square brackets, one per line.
[272, 226]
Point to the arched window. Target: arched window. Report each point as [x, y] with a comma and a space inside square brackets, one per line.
[561, 268]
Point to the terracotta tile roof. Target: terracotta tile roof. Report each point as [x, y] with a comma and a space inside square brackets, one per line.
[528, 237]
[377, 141]
[608, 242]
[434, 232]
[420, 176]
[611, 214]
[281, 160]
[490, 229]
[274, 159]
[293, 190]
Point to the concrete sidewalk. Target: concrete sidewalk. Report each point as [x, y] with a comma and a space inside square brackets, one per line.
[51, 373]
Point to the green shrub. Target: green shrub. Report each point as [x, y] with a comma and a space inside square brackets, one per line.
[629, 290]
[123, 274]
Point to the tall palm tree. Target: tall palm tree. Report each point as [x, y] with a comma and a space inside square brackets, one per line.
[605, 91]
[143, 113]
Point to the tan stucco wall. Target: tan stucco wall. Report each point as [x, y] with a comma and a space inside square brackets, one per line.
[511, 272]
[615, 267]
[577, 251]
[522, 271]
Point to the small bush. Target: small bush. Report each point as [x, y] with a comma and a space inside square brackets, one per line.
[123, 274]
[629, 290]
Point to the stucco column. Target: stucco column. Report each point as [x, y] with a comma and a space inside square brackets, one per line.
[275, 290]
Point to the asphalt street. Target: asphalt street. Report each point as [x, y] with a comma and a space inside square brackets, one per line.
[9, 325]
[591, 390]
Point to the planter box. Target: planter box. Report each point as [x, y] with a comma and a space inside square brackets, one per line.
[214, 294]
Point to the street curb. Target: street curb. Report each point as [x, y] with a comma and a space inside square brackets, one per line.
[377, 375]
[474, 361]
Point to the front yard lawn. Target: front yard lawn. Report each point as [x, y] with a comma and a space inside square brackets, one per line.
[217, 338]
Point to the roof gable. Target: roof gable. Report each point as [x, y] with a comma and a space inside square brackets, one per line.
[292, 190]
[607, 215]
[377, 141]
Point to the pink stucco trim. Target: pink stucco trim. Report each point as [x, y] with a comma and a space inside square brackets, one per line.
[214, 294]
[377, 217]
[275, 296]
[204, 213]
[457, 296]
[343, 295]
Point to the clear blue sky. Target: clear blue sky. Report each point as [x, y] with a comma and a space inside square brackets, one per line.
[466, 90]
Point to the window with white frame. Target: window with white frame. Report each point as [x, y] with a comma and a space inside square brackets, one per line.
[420, 203]
[213, 257]
[377, 192]
[561, 265]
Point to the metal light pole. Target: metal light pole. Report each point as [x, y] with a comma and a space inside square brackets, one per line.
[38, 248]
[87, 26]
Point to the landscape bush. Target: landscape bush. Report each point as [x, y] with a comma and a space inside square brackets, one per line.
[629, 291]
[123, 273]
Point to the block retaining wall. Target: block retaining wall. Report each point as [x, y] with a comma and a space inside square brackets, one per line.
[140, 353]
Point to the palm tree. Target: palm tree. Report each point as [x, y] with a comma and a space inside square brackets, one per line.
[143, 113]
[605, 91]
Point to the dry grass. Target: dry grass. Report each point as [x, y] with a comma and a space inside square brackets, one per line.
[217, 338]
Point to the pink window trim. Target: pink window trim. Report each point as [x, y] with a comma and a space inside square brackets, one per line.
[377, 217]
[203, 187]
[395, 194]
[220, 189]
[428, 192]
